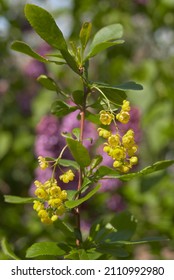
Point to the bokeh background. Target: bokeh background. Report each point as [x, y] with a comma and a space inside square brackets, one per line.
[147, 57]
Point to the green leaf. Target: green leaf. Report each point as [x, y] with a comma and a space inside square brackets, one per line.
[79, 152]
[111, 173]
[96, 161]
[102, 46]
[85, 34]
[68, 163]
[125, 225]
[60, 108]
[113, 250]
[76, 132]
[129, 86]
[115, 95]
[65, 228]
[75, 203]
[44, 24]
[6, 248]
[105, 38]
[77, 254]
[78, 97]
[17, 199]
[24, 48]
[44, 248]
[48, 83]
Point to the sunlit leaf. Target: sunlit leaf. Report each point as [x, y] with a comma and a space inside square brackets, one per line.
[75, 203]
[24, 48]
[85, 33]
[44, 248]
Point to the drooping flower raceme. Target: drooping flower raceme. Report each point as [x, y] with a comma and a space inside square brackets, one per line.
[121, 148]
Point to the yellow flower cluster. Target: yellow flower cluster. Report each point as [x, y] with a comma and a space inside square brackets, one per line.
[67, 176]
[42, 162]
[121, 149]
[50, 202]
[124, 115]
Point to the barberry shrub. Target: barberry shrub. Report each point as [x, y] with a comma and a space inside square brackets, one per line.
[107, 107]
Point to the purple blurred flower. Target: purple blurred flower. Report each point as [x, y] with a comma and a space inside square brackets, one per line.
[48, 140]
[116, 203]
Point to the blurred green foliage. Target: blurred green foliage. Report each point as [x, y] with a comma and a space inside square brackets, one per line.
[146, 57]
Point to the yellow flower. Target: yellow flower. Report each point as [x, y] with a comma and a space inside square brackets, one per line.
[133, 160]
[38, 205]
[63, 195]
[41, 193]
[106, 117]
[42, 162]
[118, 153]
[55, 202]
[126, 106]
[55, 191]
[114, 140]
[104, 133]
[67, 176]
[131, 151]
[54, 218]
[123, 117]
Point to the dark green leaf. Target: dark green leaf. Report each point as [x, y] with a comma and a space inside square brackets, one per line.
[108, 34]
[115, 95]
[60, 108]
[75, 203]
[68, 163]
[65, 228]
[78, 97]
[48, 83]
[129, 86]
[24, 48]
[112, 249]
[79, 152]
[125, 225]
[44, 24]
[18, 199]
[85, 34]
[6, 248]
[44, 248]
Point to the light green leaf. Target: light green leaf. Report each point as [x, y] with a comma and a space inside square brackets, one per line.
[17, 199]
[85, 34]
[48, 83]
[68, 163]
[111, 173]
[24, 48]
[79, 152]
[103, 46]
[96, 161]
[44, 248]
[60, 108]
[75, 203]
[6, 248]
[76, 132]
[105, 37]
